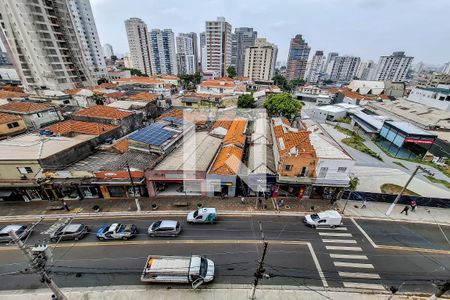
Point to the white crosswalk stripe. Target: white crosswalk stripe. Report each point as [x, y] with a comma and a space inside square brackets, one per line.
[342, 248]
[335, 229]
[348, 256]
[339, 241]
[341, 234]
[359, 275]
[352, 265]
[370, 286]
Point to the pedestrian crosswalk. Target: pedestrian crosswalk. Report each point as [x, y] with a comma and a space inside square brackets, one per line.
[346, 255]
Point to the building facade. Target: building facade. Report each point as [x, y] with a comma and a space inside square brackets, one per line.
[298, 58]
[328, 63]
[243, 38]
[260, 60]
[162, 52]
[366, 70]
[108, 51]
[45, 45]
[139, 44]
[393, 67]
[187, 62]
[218, 46]
[343, 68]
[315, 68]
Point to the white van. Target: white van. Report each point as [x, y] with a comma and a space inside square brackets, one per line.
[328, 218]
[193, 269]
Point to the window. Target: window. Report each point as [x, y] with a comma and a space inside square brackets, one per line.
[13, 125]
[323, 172]
[25, 170]
[304, 172]
[288, 167]
[342, 169]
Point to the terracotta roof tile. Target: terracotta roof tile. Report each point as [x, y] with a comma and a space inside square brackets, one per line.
[289, 138]
[197, 117]
[218, 83]
[167, 77]
[116, 95]
[24, 107]
[70, 127]
[139, 79]
[104, 112]
[236, 133]
[227, 161]
[121, 145]
[107, 85]
[5, 94]
[222, 123]
[6, 118]
[144, 96]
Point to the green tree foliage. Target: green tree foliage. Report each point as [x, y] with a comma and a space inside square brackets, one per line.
[190, 81]
[246, 101]
[102, 80]
[113, 57]
[231, 71]
[354, 181]
[283, 104]
[280, 81]
[136, 72]
[295, 83]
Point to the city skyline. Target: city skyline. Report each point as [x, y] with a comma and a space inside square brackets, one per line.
[393, 32]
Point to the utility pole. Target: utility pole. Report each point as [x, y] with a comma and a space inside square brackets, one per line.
[37, 261]
[442, 290]
[391, 208]
[136, 198]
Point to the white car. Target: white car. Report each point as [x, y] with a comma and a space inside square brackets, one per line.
[328, 218]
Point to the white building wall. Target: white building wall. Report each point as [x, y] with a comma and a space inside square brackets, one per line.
[260, 60]
[315, 67]
[334, 171]
[139, 44]
[108, 50]
[430, 98]
[393, 67]
[218, 45]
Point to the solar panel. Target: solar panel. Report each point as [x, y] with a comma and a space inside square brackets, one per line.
[153, 134]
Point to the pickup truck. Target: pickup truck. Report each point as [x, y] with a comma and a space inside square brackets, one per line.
[202, 215]
[117, 231]
[194, 269]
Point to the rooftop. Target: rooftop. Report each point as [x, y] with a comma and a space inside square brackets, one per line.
[217, 83]
[228, 161]
[236, 133]
[4, 94]
[138, 80]
[128, 105]
[104, 112]
[159, 132]
[198, 117]
[409, 128]
[70, 127]
[292, 141]
[331, 108]
[6, 118]
[325, 149]
[437, 90]
[24, 107]
[144, 96]
[261, 159]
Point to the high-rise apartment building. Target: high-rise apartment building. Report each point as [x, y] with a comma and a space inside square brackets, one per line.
[446, 68]
[195, 48]
[328, 64]
[202, 50]
[297, 58]
[108, 51]
[218, 46]
[393, 67]
[185, 54]
[366, 70]
[88, 35]
[344, 68]
[243, 38]
[139, 44]
[260, 60]
[45, 46]
[162, 52]
[315, 68]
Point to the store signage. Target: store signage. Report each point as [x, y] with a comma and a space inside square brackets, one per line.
[415, 141]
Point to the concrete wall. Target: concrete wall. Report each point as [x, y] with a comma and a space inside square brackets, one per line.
[332, 176]
[128, 124]
[41, 119]
[297, 164]
[430, 98]
[9, 169]
[68, 156]
[6, 131]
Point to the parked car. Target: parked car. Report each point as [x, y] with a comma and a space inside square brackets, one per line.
[21, 230]
[117, 231]
[69, 232]
[164, 228]
[202, 215]
[328, 218]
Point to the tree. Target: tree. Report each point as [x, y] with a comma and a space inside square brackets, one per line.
[113, 57]
[246, 101]
[283, 104]
[102, 80]
[190, 81]
[231, 71]
[295, 83]
[281, 82]
[328, 81]
[136, 72]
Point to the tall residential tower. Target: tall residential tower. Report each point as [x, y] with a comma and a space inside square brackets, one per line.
[218, 46]
[260, 60]
[162, 52]
[393, 67]
[297, 58]
[139, 44]
[243, 38]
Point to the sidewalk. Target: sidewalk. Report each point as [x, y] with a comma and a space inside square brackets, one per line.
[377, 210]
[217, 292]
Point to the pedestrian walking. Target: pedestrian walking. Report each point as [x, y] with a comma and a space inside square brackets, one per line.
[405, 209]
[364, 205]
[66, 207]
[413, 205]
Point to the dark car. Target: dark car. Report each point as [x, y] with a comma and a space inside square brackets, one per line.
[21, 231]
[69, 232]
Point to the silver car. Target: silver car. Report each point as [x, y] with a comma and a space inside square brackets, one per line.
[164, 228]
[21, 230]
[69, 232]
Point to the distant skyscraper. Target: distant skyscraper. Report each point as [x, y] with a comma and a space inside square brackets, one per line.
[297, 58]
[315, 67]
[446, 68]
[330, 57]
[139, 43]
[260, 60]
[127, 61]
[202, 50]
[242, 38]
[108, 51]
[194, 38]
[185, 54]
[393, 67]
[344, 68]
[162, 52]
[46, 55]
[366, 70]
[218, 46]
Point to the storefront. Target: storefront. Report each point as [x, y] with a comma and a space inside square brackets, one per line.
[118, 184]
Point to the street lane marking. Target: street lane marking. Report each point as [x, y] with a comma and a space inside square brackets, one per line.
[352, 265]
[348, 256]
[359, 275]
[316, 262]
[328, 228]
[364, 233]
[339, 241]
[335, 234]
[343, 248]
[368, 286]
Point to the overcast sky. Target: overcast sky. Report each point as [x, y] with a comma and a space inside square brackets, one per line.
[365, 28]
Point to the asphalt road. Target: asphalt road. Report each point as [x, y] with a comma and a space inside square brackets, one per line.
[297, 255]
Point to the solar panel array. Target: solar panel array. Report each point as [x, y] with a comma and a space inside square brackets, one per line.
[154, 134]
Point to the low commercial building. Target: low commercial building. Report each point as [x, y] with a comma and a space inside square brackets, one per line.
[328, 113]
[197, 100]
[11, 125]
[434, 97]
[146, 84]
[35, 115]
[369, 125]
[219, 86]
[183, 171]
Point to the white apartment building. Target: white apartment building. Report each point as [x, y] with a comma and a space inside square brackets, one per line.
[260, 60]
[108, 51]
[393, 67]
[88, 35]
[218, 46]
[343, 68]
[366, 70]
[45, 45]
[242, 38]
[329, 63]
[162, 52]
[315, 67]
[185, 54]
[127, 63]
[139, 44]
